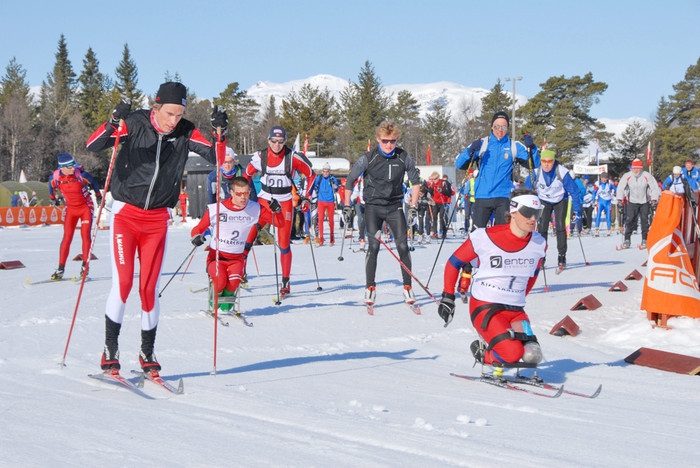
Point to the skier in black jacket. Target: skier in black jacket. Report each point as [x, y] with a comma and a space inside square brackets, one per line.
[384, 169]
[145, 185]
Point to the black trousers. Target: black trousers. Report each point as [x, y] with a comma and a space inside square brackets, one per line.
[633, 211]
[559, 210]
[485, 207]
[392, 215]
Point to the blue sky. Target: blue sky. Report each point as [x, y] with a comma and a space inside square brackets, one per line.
[639, 48]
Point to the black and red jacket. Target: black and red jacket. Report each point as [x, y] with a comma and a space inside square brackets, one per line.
[149, 166]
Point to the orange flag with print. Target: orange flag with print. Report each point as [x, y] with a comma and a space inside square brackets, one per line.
[670, 286]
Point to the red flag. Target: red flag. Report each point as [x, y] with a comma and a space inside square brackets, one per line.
[649, 154]
[369, 146]
[306, 144]
[544, 144]
[427, 157]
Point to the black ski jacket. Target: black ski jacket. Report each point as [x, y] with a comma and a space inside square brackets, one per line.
[149, 167]
[383, 176]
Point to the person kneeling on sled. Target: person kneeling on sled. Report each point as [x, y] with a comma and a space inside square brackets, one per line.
[508, 258]
[240, 219]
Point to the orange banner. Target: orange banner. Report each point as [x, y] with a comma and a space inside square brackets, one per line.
[31, 216]
[670, 286]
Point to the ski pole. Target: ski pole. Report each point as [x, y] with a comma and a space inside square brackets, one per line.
[342, 242]
[444, 234]
[582, 251]
[255, 260]
[378, 236]
[277, 276]
[313, 258]
[220, 156]
[184, 272]
[189, 256]
[92, 240]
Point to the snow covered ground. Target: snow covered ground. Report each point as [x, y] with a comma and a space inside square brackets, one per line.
[318, 382]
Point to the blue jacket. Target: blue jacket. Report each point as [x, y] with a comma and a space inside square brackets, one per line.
[692, 176]
[496, 166]
[555, 186]
[326, 188]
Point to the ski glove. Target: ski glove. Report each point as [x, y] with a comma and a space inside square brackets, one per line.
[120, 112]
[474, 147]
[575, 217]
[347, 215]
[275, 206]
[56, 202]
[412, 216]
[198, 240]
[528, 142]
[446, 309]
[304, 205]
[219, 118]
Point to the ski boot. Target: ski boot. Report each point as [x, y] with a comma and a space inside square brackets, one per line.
[58, 274]
[408, 296]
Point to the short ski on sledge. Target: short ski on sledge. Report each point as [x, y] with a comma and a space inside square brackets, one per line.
[218, 317]
[158, 380]
[537, 382]
[370, 309]
[238, 316]
[508, 385]
[120, 380]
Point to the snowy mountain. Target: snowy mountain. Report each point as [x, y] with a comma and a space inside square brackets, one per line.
[457, 96]
[318, 382]
[460, 99]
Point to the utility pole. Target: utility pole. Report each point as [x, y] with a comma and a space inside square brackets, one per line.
[512, 117]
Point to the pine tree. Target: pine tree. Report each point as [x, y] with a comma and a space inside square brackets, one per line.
[497, 100]
[439, 132]
[242, 111]
[314, 113]
[631, 144]
[92, 97]
[405, 111]
[561, 114]
[678, 124]
[14, 83]
[364, 105]
[15, 123]
[125, 86]
[60, 124]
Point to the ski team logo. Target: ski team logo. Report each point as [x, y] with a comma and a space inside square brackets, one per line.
[496, 261]
[670, 269]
